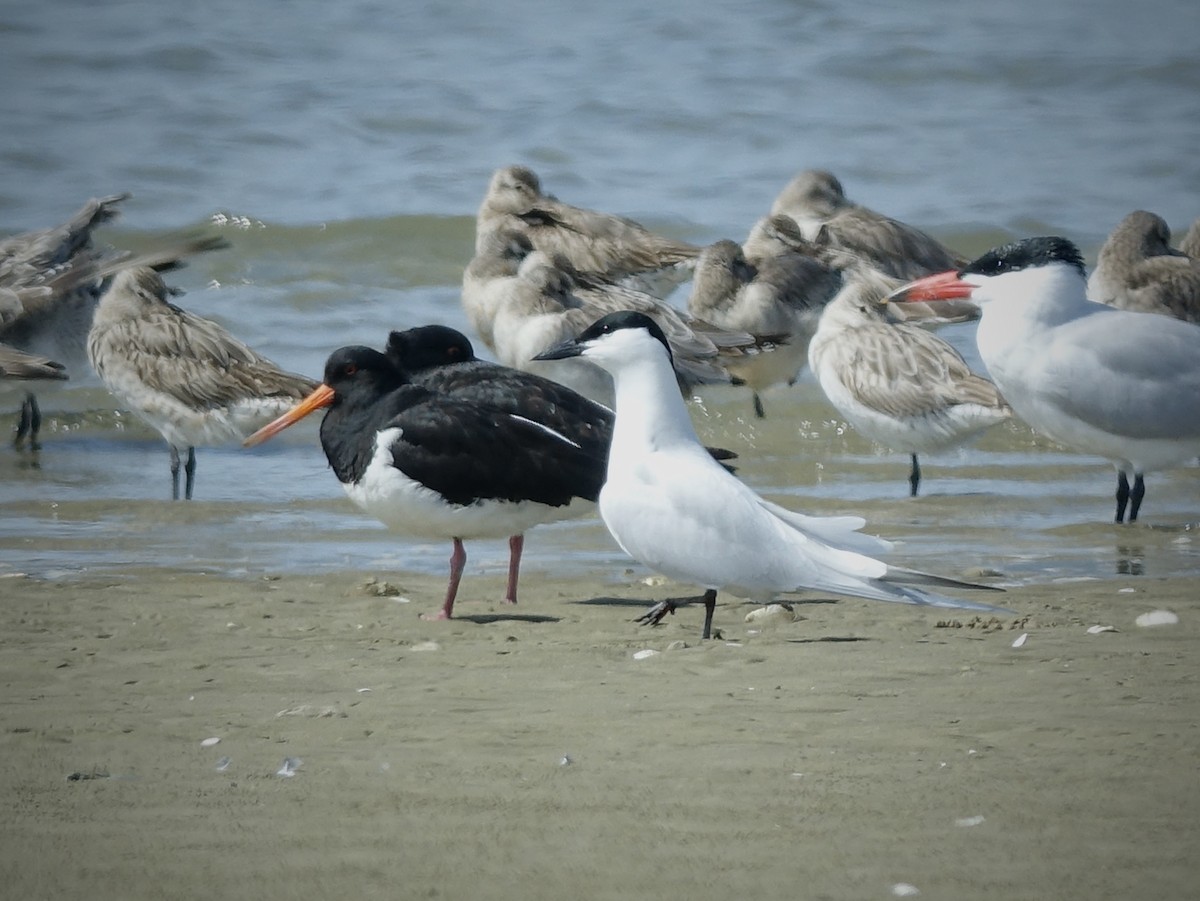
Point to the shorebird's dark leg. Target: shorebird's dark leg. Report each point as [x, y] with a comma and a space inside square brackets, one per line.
[174, 473]
[655, 614]
[516, 544]
[758, 407]
[914, 477]
[28, 422]
[190, 471]
[1135, 496]
[710, 607]
[458, 559]
[1122, 495]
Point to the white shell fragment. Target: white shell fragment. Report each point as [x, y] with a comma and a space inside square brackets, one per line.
[1097, 629]
[209, 742]
[644, 653]
[223, 764]
[904, 890]
[1019, 641]
[967, 822]
[1157, 618]
[426, 646]
[771, 615]
[290, 765]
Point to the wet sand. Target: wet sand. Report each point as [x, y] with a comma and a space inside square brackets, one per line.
[526, 753]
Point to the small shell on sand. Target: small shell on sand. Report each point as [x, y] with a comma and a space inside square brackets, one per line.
[1020, 640]
[904, 890]
[1097, 629]
[772, 614]
[644, 653]
[1157, 618]
[209, 742]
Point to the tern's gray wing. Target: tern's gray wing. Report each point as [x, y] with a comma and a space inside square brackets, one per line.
[1151, 365]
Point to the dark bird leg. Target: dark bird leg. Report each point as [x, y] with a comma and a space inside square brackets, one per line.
[190, 471]
[174, 473]
[655, 614]
[1122, 495]
[516, 544]
[710, 607]
[458, 559]
[759, 412]
[1135, 497]
[914, 477]
[29, 422]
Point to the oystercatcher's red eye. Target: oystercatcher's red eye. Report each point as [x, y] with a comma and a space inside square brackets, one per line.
[453, 352]
[350, 368]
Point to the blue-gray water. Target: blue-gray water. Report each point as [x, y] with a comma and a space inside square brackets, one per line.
[343, 148]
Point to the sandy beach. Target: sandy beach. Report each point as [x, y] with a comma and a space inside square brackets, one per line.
[525, 752]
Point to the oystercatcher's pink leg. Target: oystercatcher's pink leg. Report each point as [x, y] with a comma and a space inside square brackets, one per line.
[458, 559]
[516, 544]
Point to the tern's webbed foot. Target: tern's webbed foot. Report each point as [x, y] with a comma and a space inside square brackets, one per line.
[655, 614]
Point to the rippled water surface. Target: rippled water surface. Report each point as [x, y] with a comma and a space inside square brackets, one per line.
[343, 149]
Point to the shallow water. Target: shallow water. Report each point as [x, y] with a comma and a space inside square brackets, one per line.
[343, 150]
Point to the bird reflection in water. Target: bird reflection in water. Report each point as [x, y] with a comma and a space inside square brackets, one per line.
[1130, 560]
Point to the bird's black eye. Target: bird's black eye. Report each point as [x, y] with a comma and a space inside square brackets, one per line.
[453, 352]
[350, 369]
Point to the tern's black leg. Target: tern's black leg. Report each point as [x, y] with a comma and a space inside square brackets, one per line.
[914, 477]
[710, 606]
[759, 412]
[174, 473]
[1122, 496]
[190, 470]
[1135, 497]
[655, 614]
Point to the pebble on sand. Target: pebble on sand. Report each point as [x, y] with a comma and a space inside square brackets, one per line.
[1157, 618]
[772, 614]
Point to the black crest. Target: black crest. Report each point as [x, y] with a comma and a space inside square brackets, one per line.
[1025, 254]
[624, 319]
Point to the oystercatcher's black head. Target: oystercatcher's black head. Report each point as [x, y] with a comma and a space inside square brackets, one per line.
[428, 347]
[356, 374]
[360, 370]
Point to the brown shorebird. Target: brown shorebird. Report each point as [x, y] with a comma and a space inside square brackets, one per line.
[593, 242]
[896, 383]
[781, 292]
[51, 279]
[547, 301]
[1137, 269]
[816, 200]
[185, 376]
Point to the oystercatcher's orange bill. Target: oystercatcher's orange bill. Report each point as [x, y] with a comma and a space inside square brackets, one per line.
[321, 397]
